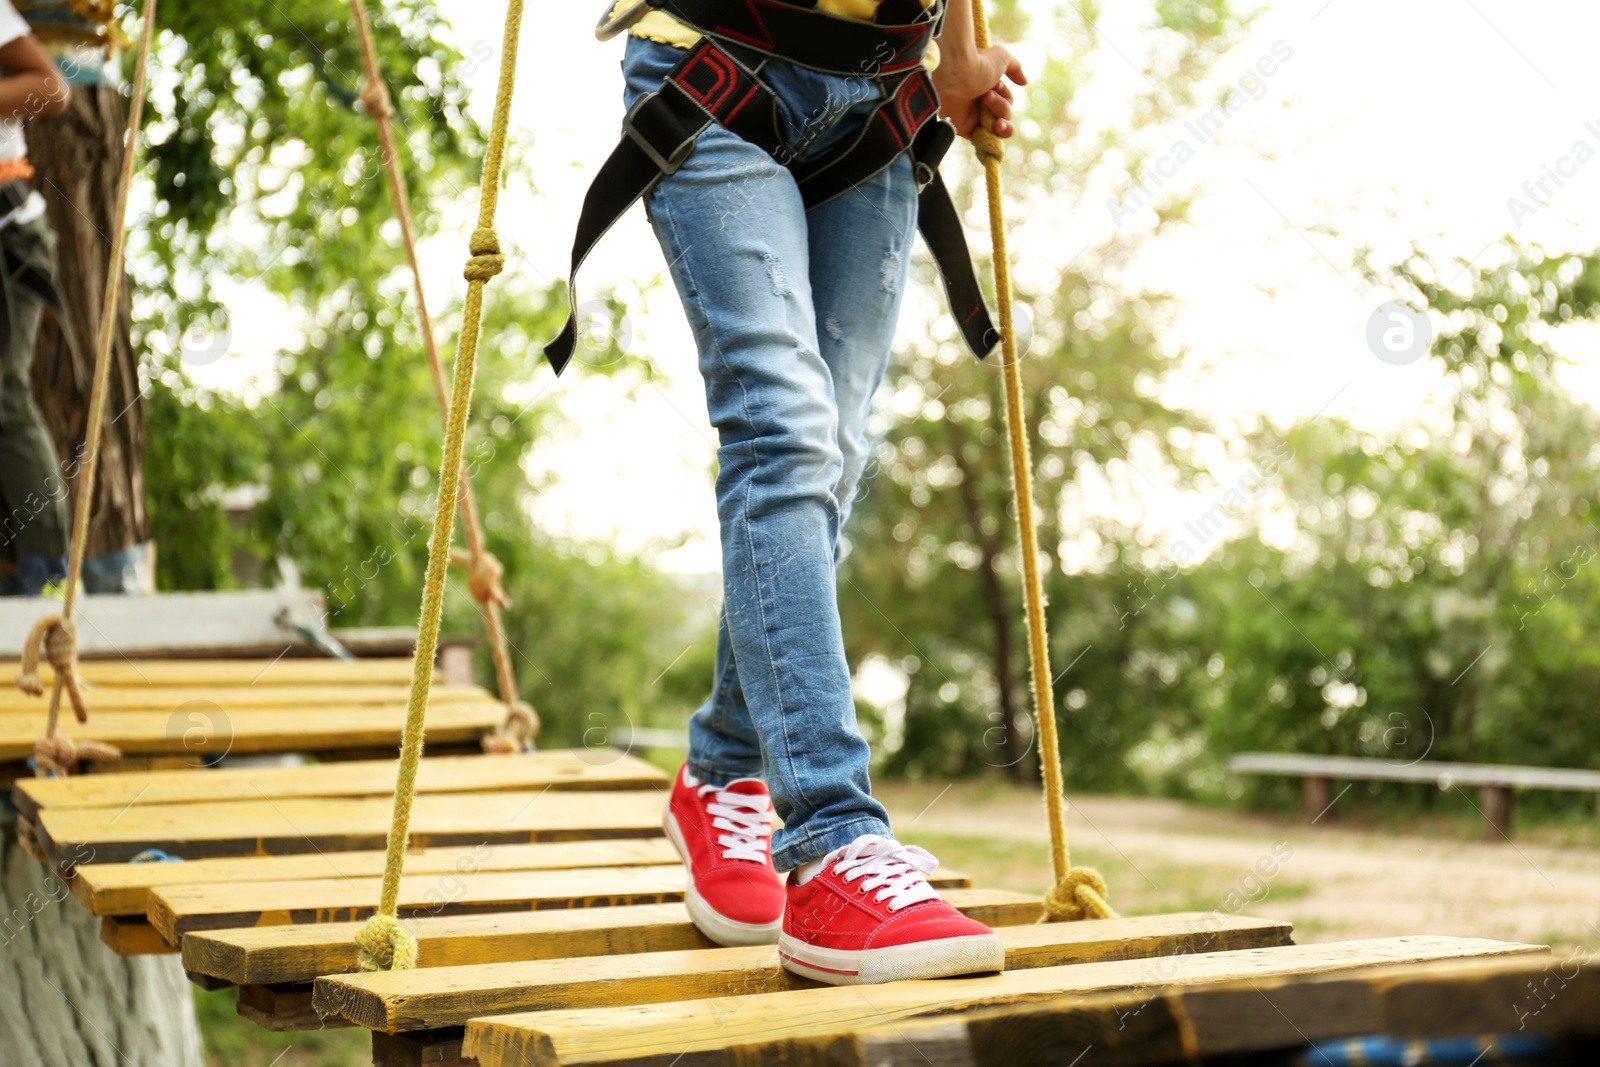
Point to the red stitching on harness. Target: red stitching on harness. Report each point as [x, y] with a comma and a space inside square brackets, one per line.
[726, 74]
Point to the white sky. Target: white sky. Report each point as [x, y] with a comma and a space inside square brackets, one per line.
[1389, 120]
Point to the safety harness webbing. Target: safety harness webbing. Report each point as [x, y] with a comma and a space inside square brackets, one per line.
[719, 81]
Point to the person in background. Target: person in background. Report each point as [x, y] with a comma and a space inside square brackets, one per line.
[34, 523]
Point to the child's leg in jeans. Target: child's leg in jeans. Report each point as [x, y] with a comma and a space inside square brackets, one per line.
[735, 231]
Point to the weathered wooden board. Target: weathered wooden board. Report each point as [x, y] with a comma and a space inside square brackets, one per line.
[764, 1026]
[192, 731]
[285, 670]
[232, 698]
[132, 937]
[295, 826]
[283, 1009]
[181, 909]
[1431, 1000]
[178, 910]
[449, 996]
[279, 954]
[122, 888]
[598, 768]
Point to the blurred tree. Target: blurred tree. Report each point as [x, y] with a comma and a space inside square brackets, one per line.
[931, 584]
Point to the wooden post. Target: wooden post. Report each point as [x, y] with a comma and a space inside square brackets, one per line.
[1318, 794]
[1496, 812]
[455, 662]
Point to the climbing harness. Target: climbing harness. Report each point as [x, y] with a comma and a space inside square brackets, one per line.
[54, 638]
[1079, 892]
[718, 80]
[521, 726]
[385, 944]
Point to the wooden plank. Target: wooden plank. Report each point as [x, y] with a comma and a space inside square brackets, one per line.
[283, 1009]
[765, 1026]
[297, 826]
[276, 954]
[233, 672]
[554, 768]
[122, 888]
[253, 730]
[132, 937]
[181, 909]
[433, 1048]
[1436, 772]
[119, 699]
[449, 996]
[178, 910]
[1420, 1001]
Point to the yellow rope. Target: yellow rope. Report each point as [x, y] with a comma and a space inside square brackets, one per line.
[521, 726]
[386, 944]
[54, 638]
[1079, 892]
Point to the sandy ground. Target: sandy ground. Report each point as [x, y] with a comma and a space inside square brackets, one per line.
[1333, 880]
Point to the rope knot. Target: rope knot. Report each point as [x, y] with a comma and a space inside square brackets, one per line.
[375, 98]
[1080, 895]
[988, 145]
[53, 640]
[517, 733]
[386, 945]
[486, 261]
[483, 577]
[56, 756]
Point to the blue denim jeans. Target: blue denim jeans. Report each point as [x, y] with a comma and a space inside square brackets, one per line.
[793, 314]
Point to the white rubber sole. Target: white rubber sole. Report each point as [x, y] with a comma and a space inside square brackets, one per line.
[718, 927]
[944, 958]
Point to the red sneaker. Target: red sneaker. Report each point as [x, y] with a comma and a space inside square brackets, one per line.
[869, 915]
[724, 835]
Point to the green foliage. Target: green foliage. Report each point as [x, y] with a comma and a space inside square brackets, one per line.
[264, 170]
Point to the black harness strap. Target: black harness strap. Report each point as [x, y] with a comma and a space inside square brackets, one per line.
[718, 81]
[795, 32]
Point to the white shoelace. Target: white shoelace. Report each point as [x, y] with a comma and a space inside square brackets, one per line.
[899, 872]
[746, 817]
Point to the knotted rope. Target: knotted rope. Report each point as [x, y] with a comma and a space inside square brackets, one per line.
[1079, 892]
[385, 943]
[521, 726]
[54, 638]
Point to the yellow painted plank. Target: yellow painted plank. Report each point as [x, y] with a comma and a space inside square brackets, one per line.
[294, 826]
[190, 731]
[178, 910]
[449, 996]
[768, 1021]
[274, 954]
[285, 670]
[592, 768]
[122, 888]
[181, 909]
[132, 937]
[1503, 994]
[236, 697]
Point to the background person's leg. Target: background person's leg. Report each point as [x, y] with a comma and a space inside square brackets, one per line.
[32, 486]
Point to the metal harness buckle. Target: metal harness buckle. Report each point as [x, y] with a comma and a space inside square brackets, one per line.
[609, 26]
[667, 164]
